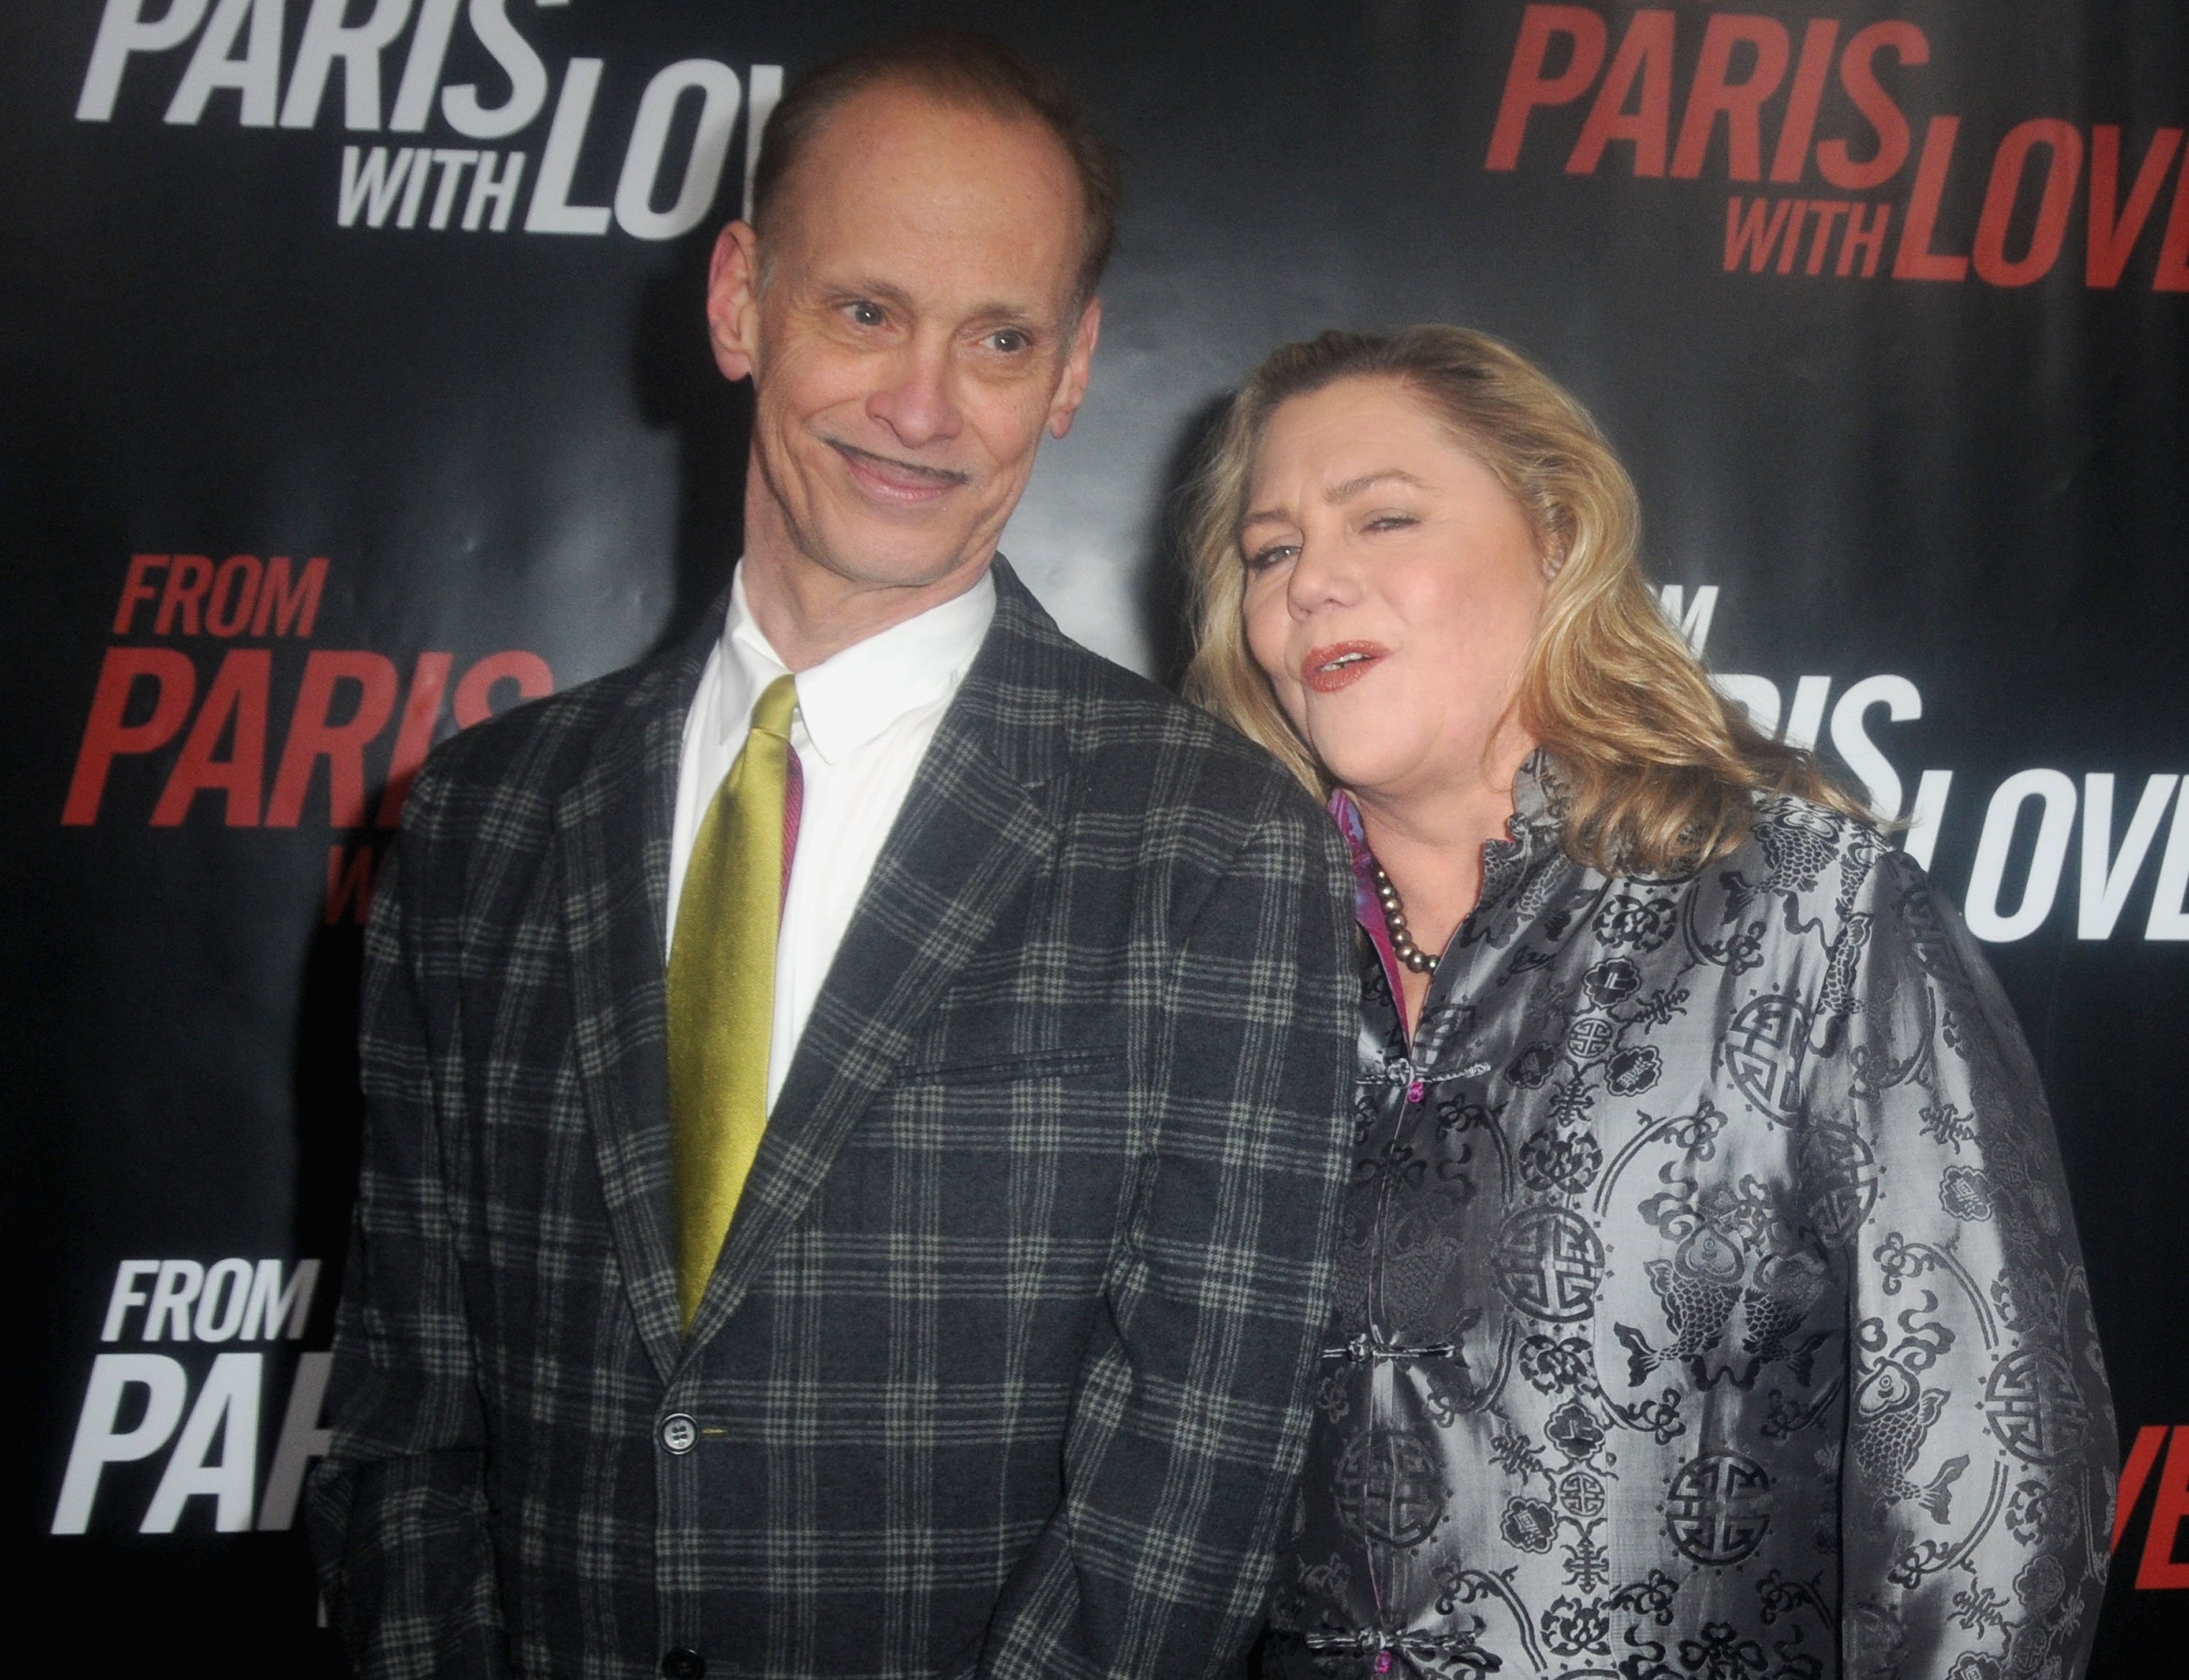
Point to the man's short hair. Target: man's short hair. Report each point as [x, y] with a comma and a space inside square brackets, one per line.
[957, 69]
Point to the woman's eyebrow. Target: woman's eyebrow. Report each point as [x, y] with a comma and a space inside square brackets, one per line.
[1344, 492]
[1353, 487]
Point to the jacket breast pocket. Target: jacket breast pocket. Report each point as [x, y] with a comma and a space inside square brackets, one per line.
[1099, 1062]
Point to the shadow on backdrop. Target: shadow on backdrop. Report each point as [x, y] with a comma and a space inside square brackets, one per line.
[679, 389]
[1164, 596]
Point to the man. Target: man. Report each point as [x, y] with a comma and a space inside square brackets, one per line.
[857, 1105]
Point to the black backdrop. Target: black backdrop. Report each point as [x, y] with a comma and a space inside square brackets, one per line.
[1884, 305]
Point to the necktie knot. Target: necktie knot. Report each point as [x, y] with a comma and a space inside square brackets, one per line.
[773, 712]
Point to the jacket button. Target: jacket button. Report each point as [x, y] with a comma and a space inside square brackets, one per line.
[679, 1434]
[683, 1664]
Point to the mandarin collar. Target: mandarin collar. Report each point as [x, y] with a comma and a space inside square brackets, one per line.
[1538, 816]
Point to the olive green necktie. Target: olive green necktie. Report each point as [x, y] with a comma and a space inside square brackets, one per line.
[721, 991]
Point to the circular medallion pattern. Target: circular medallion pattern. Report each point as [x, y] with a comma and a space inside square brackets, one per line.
[1718, 1508]
[1549, 1262]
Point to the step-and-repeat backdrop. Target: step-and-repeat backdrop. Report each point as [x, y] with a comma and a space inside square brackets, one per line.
[355, 389]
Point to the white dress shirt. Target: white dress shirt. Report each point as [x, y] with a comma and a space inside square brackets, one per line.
[865, 719]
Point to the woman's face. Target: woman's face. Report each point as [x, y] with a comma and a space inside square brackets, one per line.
[1393, 586]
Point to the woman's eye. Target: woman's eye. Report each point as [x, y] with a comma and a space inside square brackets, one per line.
[1261, 560]
[1392, 522]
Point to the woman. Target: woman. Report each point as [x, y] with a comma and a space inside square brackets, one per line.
[1709, 1302]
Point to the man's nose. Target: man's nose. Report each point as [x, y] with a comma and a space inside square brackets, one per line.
[917, 399]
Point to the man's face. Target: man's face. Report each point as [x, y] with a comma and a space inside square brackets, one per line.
[914, 335]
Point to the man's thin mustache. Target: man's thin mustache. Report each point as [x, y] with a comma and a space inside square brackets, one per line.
[942, 473]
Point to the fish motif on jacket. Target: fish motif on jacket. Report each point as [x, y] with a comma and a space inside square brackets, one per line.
[1775, 1307]
[1698, 1289]
[1893, 1414]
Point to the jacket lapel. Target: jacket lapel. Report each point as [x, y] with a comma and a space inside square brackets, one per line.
[613, 838]
[972, 830]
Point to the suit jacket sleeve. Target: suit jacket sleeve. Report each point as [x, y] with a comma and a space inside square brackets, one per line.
[1190, 1417]
[1980, 1454]
[398, 1507]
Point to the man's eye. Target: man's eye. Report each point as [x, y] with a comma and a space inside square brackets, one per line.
[866, 314]
[1008, 340]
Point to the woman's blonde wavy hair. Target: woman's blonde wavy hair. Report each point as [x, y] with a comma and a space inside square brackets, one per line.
[1661, 774]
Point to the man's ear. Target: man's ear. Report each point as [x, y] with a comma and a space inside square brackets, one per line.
[1078, 368]
[733, 301]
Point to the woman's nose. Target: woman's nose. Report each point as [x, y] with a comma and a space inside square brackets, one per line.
[1321, 576]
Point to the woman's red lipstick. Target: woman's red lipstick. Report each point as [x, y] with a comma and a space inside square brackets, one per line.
[1340, 665]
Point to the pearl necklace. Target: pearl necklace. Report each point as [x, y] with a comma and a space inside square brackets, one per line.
[1394, 920]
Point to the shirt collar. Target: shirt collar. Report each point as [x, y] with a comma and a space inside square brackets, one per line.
[852, 697]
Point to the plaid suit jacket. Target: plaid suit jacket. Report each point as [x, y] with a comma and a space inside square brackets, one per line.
[1004, 1368]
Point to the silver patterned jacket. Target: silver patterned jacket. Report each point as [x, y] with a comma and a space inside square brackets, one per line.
[1710, 1303]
